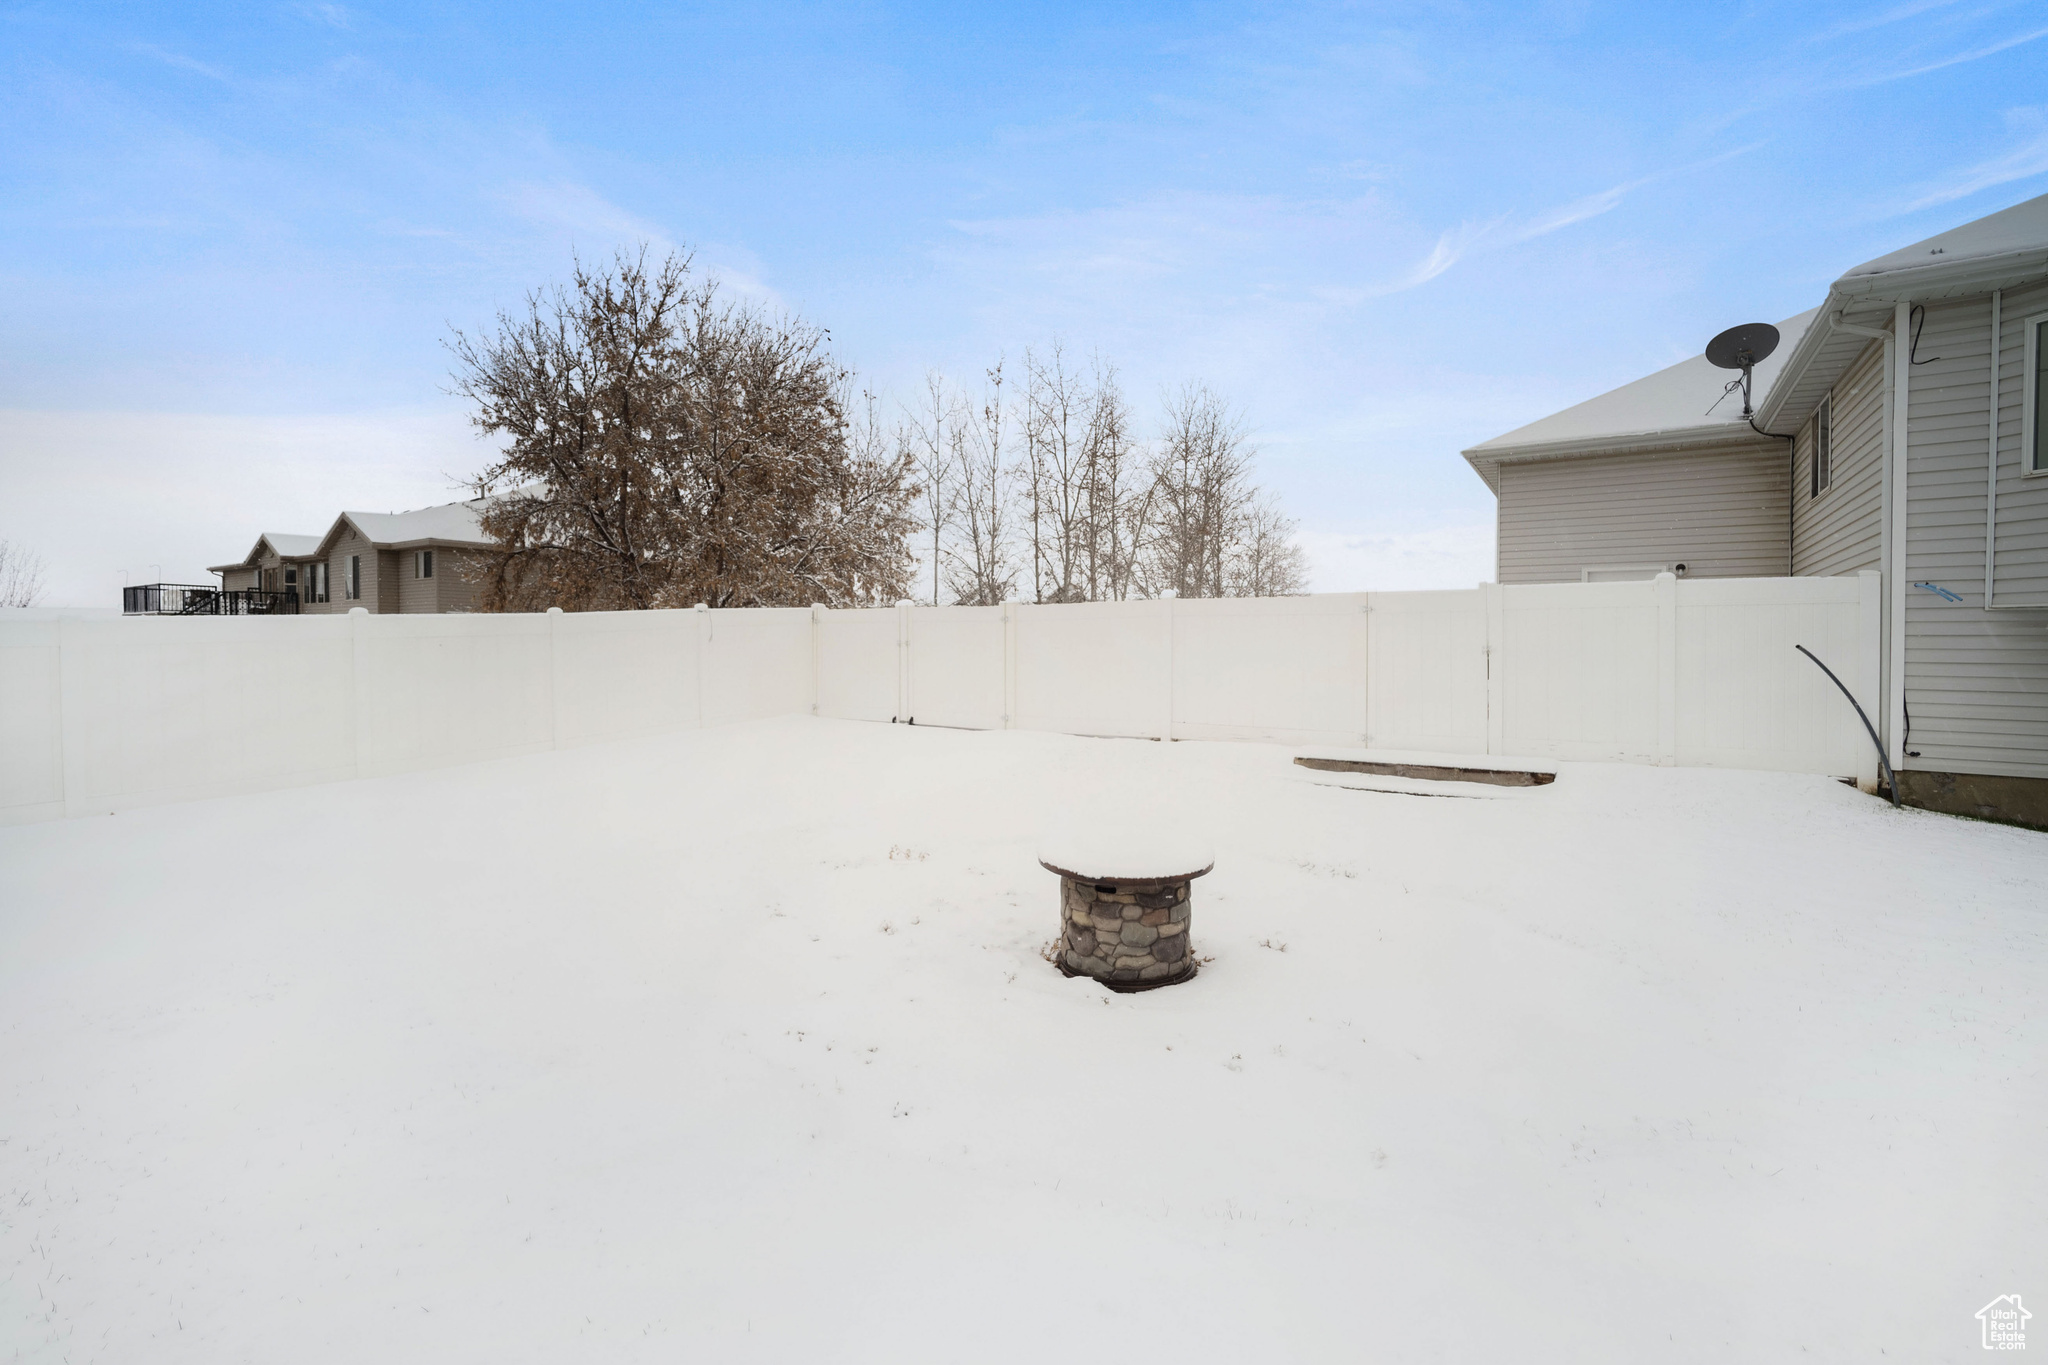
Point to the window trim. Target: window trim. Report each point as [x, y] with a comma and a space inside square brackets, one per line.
[1821, 458]
[2033, 461]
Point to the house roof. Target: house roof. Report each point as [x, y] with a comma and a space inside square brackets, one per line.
[457, 522]
[1998, 251]
[1684, 405]
[2020, 230]
[1668, 410]
[451, 523]
[282, 544]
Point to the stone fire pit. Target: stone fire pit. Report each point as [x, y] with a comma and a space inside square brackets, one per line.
[1125, 912]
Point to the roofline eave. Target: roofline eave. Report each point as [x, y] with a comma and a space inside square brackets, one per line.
[1620, 443]
[1879, 292]
[1969, 275]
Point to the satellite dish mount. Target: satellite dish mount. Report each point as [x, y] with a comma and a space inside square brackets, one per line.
[1741, 348]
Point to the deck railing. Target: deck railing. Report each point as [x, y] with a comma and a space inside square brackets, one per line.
[192, 599]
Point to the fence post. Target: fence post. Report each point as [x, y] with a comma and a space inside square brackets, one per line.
[1869, 664]
[1666, 588]
[1170, 601]
[1010, 664]
[703, 610]
[818, 610]
[359, 687]
[1365, 715]
[553, 618]
[70, 721]
[904, 700]
[1496, 665]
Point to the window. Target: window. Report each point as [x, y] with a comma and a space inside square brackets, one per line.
[316, 582]
[422, 563]
[291, 579]
[1824, 445]
[352, 583]
[2036, 420]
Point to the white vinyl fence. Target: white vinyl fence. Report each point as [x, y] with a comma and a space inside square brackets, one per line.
[103, 714]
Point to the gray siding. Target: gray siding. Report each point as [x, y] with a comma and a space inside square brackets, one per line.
[416, 594]
[2022, 559]
[1720, 513]
[1976, 680]
[389, 581]
[1842, 530]
[347, 544]
[458, 592]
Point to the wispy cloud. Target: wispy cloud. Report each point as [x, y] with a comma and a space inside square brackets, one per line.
[1896, 14]
[592, 220]
[1974, 54]
[2029, 158]
[1469, 238]
[595, 226]
[181, 61]
[334, 16]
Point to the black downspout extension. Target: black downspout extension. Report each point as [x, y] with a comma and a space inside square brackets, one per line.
[1890, 777]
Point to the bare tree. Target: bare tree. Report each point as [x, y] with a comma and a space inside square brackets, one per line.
[1118, 505]
[1201, 488]
[666, 448]
[1057, 485]
[1265, 561]
[982, 568]
[928, 437]
[21, 575]
[1056, 414]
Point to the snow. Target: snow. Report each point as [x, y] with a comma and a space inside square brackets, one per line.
[1682, 397]
[288, 546]
[451, 521]
[2023, 227]
[737, 1045]
[1137, 838]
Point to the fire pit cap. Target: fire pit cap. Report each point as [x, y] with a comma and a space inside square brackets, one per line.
[1113, 852]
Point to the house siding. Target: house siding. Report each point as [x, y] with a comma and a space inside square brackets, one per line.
[452, 571]
[1976, 680]
[345, 545]
[416, 594]
[1721, 513]
[389, 582]
[2022, 546]
[1842, 530]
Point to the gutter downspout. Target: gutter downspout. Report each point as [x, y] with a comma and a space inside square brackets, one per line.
[1902, 382]
[1892, 691]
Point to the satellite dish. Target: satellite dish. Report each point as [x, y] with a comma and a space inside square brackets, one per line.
[1738, 348]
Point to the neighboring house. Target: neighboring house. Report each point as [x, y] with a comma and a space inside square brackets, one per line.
[380, 561]
[1899, 427]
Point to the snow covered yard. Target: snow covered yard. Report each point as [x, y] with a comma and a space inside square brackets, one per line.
[738, 1046]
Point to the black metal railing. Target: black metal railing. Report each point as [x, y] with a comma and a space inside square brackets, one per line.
[191, 599]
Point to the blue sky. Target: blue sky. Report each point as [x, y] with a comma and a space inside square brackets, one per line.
[232, 239]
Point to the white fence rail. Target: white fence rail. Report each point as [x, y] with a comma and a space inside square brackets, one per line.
[99, 715]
